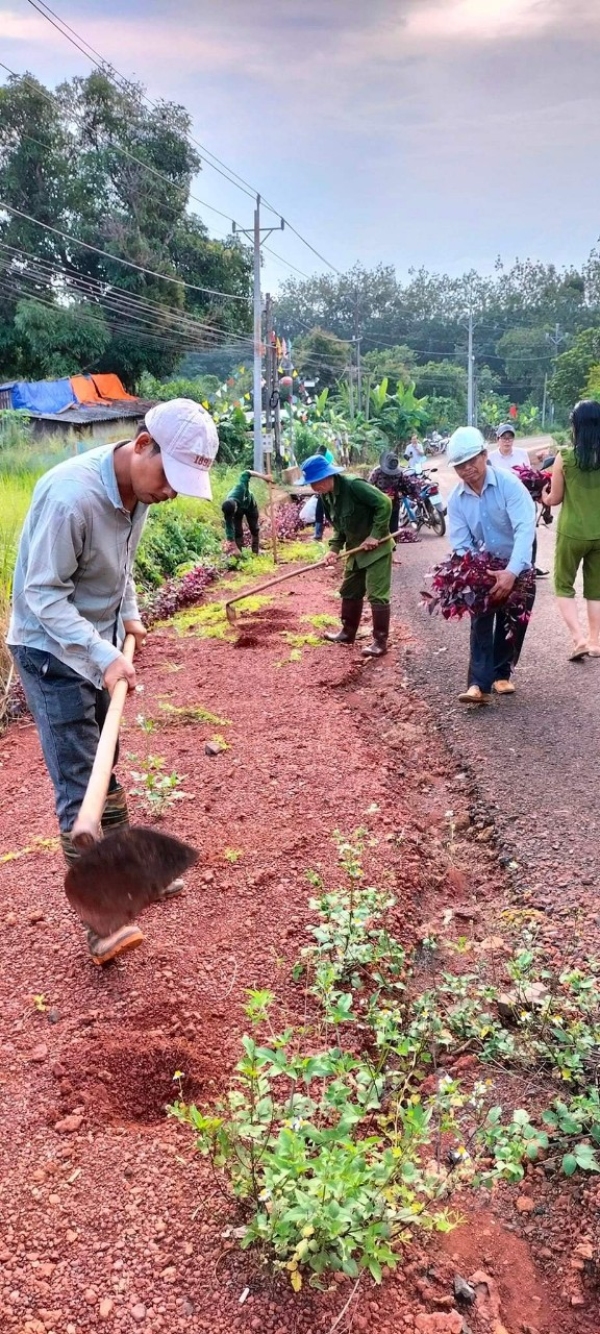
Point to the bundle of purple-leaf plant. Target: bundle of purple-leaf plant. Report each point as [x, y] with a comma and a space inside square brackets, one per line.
[461, 586]
[534, 480]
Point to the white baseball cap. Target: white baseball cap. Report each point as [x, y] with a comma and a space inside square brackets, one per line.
[187, 437]
[466, 443]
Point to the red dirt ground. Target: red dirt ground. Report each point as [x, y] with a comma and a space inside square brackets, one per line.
[107, 1219]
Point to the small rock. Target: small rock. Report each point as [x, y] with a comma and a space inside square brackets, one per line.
[212, 748]
[139, 1311]
[578, 1300]
[524, 1205]
[106, 1306]
[39, 1053]
[463, 1290]
[36, 915]
[440, 1323]
[68, 1125]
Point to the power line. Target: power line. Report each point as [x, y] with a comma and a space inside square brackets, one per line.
[51, 268]
[232, 176]
[118, 259]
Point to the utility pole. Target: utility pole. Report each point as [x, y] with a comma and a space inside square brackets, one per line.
[556, 339]
[356, 341]
[255, 236]
[470, 372]
[544, 400]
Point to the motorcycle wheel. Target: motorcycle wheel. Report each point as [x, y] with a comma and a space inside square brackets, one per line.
[436, 520]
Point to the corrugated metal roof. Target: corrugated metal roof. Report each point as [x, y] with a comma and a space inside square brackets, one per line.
[81, 416]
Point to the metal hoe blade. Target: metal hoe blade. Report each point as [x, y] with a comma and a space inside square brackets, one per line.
[111, 884]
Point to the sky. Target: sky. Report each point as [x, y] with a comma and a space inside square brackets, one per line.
[436, 133]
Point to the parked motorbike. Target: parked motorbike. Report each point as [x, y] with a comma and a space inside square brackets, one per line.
[423, 505]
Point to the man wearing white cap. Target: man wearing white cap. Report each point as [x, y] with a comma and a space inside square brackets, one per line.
[74, 599]
[490, 511]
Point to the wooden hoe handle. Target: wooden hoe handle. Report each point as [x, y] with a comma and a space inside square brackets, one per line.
[304, 569]
[87, 828]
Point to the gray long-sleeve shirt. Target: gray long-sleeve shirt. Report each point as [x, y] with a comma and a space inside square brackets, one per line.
[72, 585]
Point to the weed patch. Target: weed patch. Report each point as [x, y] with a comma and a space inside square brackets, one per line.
[341, 1135]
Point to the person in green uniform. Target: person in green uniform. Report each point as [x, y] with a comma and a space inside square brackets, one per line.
[239, 504]
[360, 515]
[575, 486]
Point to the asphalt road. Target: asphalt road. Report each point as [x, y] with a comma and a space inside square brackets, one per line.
[535, 755]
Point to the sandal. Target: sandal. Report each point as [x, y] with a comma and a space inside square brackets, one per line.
[580, 651]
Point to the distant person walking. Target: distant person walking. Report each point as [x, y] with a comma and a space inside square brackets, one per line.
[415, 453]
[575, 486]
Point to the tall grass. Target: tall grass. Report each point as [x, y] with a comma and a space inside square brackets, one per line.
[15, 495]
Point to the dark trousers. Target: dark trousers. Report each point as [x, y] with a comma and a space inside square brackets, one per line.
[69, 713]
[320, 519]
[493, 656]
[253, 524]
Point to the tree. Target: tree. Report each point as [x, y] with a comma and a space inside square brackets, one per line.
[394, 364]
[60, 340]
[96, 162]
[444, 379]
[526, 354]
[573, 368]
[321, 356]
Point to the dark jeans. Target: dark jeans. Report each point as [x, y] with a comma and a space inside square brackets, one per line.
[493, 656]
[253, 524]
[320, 519]
[69, 713]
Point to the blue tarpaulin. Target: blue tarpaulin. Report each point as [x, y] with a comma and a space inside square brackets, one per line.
[42, 395]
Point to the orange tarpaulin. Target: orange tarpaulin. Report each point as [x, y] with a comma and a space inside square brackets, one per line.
[84, 389]
[109, 386]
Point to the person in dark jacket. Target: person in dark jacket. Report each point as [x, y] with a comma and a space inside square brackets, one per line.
[239, 504]
[390, 478]
[360, 516]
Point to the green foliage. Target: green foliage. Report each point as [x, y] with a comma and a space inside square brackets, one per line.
[85, 161]
[173, 540]
[394, 364]
[59, 341]
[402, 414]
[321, 356]
[329, 1177]
[326, 1135]
[156, 789]
[573, 368]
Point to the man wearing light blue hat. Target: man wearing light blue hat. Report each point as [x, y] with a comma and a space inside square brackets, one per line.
[360, 515]
[491, 512]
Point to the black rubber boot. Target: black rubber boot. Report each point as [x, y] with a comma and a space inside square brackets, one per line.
[351, 614]
[381, 630]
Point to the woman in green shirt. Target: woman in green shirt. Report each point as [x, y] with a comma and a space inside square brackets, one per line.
[576, 487]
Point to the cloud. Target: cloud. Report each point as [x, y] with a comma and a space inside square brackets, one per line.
[387, 129]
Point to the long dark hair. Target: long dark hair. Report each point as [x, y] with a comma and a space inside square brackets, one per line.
[585, 420]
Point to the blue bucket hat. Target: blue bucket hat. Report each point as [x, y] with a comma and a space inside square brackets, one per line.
[316, 469]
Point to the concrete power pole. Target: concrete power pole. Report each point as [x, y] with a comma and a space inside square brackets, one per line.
[255, 236]
[257, 376]
[470, 374]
